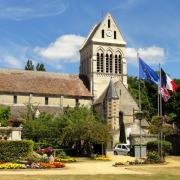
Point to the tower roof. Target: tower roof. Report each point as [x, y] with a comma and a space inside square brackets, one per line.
[111, 91]
[102, 25]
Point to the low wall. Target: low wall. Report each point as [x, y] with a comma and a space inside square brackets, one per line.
[135, 138]
[10, 133]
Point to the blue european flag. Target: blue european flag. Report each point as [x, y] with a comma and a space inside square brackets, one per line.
[147, 73]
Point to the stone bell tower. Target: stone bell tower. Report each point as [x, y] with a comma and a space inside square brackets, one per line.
[102, 56]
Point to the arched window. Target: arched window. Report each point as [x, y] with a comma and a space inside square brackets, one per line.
[120, 64]
[98, 63]
[110, 63]
[109, 23]
[102, 33]
[114, 34]
[116, 64]
[102, 65]
[107, 63]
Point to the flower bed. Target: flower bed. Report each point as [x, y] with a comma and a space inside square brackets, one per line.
[12, 166]
[66, 159]
[102, 158]
[51, 165]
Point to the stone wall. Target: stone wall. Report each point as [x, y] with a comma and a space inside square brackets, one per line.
[10, 133]
[135, 138]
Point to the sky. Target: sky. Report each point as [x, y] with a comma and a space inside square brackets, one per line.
[52, 31]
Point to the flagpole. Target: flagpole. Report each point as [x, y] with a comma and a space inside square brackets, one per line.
[139, 86]
[140, 108]
[159, 86]
[160, 112]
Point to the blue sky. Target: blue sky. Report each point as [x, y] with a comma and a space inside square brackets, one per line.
[51, 31]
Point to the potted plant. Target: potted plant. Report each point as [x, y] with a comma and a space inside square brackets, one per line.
[15, 122]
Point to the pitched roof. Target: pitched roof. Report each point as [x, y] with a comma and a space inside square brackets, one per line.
[90, 35]
[109, 93]
[21, 81]
[17, 111]
[95, 29]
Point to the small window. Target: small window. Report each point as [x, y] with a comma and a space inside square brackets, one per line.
[103, 33]
[77, 102]
[116, 64]
[110, 63]
[98, 62]
[15, 100]
[119, 61]
[46, 100]
[119, 146]
[107, 63]
[115, 35]
[109, 23]
[102, 62]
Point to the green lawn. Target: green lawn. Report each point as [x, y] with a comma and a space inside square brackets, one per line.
[89, 177]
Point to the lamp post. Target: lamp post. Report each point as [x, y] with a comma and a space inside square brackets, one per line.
[139, 116]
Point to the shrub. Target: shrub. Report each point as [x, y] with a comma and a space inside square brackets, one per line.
[14, 150]
[14, 122]
[49, 151]
[153, 157]
[40, 145]
[60, 153]
[153, 146]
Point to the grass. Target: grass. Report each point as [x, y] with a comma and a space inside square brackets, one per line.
[91, 177]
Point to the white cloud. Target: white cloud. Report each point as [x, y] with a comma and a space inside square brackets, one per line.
[12, 61]
[30, 9]
[65, 48]
[152, 55]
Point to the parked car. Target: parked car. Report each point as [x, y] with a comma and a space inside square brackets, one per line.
[123, 149]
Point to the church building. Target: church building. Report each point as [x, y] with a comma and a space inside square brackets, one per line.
[103, 63]
[101, 83]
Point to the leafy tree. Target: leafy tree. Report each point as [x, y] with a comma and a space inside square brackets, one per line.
[76, 128]
[40, 67]
[148, 94]
[5, 114]
[159, 124]
[29, 65]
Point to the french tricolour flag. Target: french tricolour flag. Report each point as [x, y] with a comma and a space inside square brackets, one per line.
[167, 82]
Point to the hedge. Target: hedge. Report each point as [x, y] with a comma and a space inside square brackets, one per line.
[14, 150]
[166, 146]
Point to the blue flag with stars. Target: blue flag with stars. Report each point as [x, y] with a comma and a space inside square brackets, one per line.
[147, 73]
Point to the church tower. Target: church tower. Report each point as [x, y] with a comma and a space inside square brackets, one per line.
[103, 68]
[102, 56]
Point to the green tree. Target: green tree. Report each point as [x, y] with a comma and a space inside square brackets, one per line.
[160, 123]
[83, 129]
[40, 67]
[29, 65]
[148, 94]
[5, 114]
[76, 127]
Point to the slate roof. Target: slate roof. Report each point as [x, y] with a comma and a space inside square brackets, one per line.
[17, 111]
[44, 83]
[109, 93]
